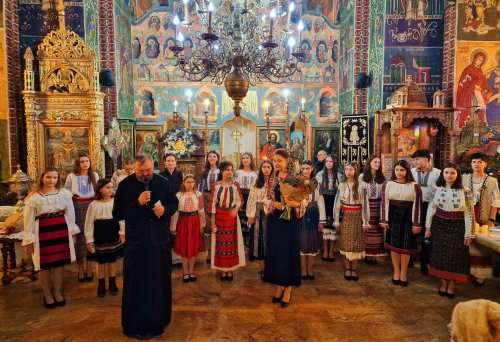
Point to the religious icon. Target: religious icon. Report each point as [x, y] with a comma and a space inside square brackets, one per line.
[152, 47]
[146, 142]
[136, 48]
[154, 23]
[472, 86]
[321, 52]
[268, 145]
[326, 140]
[147, 104]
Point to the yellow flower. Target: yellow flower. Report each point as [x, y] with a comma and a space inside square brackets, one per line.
[180, 146]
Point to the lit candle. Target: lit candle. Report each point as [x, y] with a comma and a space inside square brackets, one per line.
[189, 93]
[180, 37]
[207, 103]
[210, 10]
[303, 102]
[291, 8]
[266, 105]
[286, 93]
[272, 15]
[291, 43]
[175, 105]
[186, 13]
[300, 27]
[176, 22]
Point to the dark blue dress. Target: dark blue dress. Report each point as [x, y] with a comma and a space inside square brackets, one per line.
[282, 248]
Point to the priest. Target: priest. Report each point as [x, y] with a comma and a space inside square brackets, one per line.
[141, 200]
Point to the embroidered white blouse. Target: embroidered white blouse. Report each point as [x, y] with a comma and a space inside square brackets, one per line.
[205, 184]
[99, 210]
[345, 195]
[373, 189]
[245, 179]
[38, 204]
[225, 196]
[427, 181]
[410, 192]
[189, 202]
[453, 200]
[257, 195]
[80, 185]
[316, 197]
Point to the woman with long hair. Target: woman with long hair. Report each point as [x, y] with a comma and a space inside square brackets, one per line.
[81, 182]
[312, 224]
[328, 184]
[373, 181]
[450, 221]
[352, 201]
[257, 201]
[401, 215]
[245, 176]
[283, 236]
[228, 252]
[209, 176]
[49, 234]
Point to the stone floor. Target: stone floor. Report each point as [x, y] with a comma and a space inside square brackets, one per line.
[326, 309]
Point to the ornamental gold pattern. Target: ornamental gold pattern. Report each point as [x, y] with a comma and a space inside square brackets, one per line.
[69, 101]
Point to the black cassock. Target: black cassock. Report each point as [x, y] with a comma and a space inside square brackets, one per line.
[147, 265]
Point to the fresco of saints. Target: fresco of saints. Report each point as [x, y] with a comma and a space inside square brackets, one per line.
[471, 88]
[321, 52]
[153, 48]
[136, 48]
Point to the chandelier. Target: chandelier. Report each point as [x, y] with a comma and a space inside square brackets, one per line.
[239, 47]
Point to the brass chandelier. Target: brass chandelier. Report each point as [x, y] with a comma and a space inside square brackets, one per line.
[238, 47]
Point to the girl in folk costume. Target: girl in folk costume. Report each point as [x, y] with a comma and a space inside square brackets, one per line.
[188, 224]
[450, 220]
[352, 200]
[228, 252]
[327, 184]
[486, 204]
[105, 236]
[81, 182]
[209, 176]
[283, 236]
[258, 201]
[401, 213]
[311, 225]
[245, 176]
[373, 180]
[49, 233]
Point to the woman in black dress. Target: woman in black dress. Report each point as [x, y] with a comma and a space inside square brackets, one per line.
[283, 238]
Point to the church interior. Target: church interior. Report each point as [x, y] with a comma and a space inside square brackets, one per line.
[354, 78]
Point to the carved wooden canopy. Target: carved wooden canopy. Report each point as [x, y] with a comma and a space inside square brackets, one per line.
[64, 115]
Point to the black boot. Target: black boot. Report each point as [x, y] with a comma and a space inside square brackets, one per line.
[101, 288]
[113, 290]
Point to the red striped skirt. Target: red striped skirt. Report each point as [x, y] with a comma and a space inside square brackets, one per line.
[226, 239]
[53, 238]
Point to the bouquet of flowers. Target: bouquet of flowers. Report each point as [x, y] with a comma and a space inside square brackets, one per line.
[296, 188]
